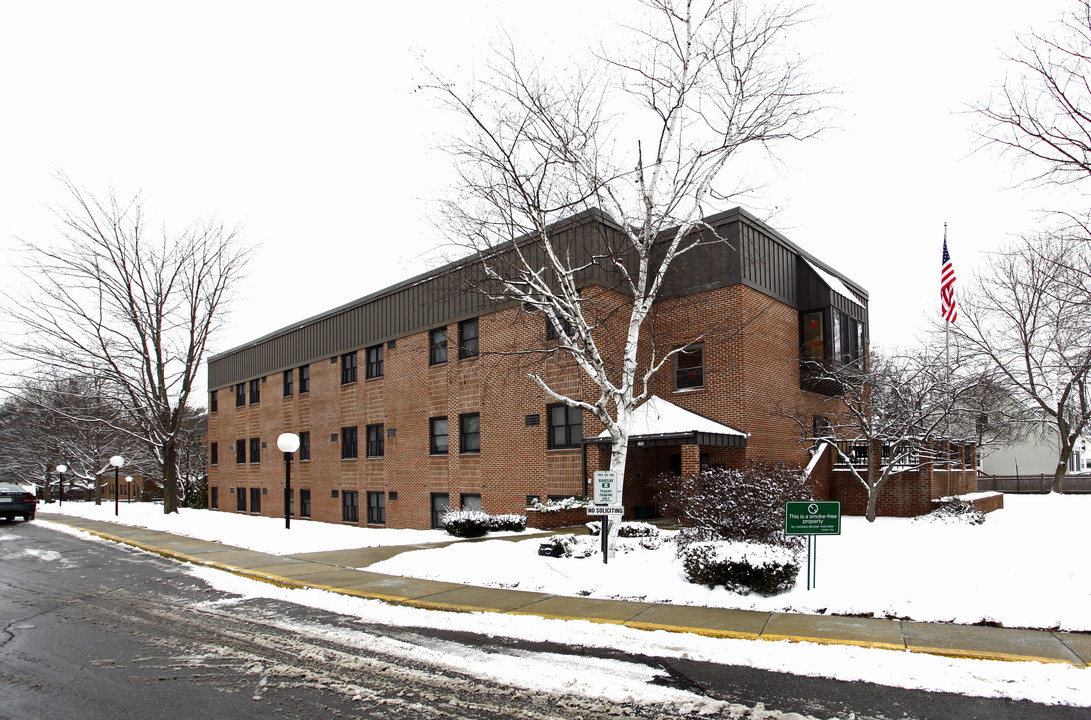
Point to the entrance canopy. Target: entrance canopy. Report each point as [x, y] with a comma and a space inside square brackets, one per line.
[658, 422]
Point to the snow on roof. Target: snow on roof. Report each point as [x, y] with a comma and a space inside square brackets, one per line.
[836, 284]
[656, 416]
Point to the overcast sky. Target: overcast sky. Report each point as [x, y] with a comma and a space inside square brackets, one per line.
[299, 123]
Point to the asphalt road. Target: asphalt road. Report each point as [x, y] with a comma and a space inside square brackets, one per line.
[94, 630]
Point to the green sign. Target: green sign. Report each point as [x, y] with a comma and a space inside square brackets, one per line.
[812, 517]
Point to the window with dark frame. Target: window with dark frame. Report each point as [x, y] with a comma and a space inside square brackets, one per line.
[348, 368]
[214, 454]
[689, 367]
[350, 506]
[467, 339]
[214, 498]
[348, 443]
[304, 446]
[213, 402]
[304, 379]
[289, 383]
[566, 328]
[240, 451]
[304, 503]
[469, 433]
[240, 499]
[255, 391]
[437, 346]
[437, 431]
[470, 501]
[255, 500]
[255, 450]
[565, 426]
[375, 435]
[376, 508]
[374, 361]
[240, 395]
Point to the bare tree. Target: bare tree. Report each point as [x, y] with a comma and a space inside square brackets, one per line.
[1026, 316]
[702, 81]
[136, 310]
[1044, 115]
[895, 416]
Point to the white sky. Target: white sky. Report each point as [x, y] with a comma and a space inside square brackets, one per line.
[299, 123]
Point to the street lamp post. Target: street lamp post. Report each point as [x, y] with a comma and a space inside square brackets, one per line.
[60, 479]
[128, 489]
[117, 461]
[288, 444]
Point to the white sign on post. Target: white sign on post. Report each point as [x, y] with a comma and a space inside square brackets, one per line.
[605, 485]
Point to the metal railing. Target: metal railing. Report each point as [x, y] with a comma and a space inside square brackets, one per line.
[1040, 483]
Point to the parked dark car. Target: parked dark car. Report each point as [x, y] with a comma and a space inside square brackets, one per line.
[15, 500]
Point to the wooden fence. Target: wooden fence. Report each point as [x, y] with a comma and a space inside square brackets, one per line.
[1041, 483]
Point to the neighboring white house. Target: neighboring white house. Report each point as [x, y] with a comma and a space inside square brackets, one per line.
[1036, 455]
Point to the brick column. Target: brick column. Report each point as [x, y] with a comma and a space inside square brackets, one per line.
[691, 460]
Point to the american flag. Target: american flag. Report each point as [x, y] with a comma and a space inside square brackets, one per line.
[947, 285]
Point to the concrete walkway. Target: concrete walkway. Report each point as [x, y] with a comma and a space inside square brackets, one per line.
[335, 571]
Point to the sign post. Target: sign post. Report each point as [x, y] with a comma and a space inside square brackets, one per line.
[605, 497]
[812, 518]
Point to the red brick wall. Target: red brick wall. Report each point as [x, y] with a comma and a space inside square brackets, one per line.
[751, 383]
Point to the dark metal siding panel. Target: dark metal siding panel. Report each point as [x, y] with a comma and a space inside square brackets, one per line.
[767, 264]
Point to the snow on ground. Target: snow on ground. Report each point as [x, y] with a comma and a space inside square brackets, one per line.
[1019, 559]
[1020, 568]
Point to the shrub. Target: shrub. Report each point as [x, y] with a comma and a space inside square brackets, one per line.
[509, 522]
[571, 546]
[627, 529]
[474, 523]
[955, 510]
[466, 523]
[746, 504]
[741, 567]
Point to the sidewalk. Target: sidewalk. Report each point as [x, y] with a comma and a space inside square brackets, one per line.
[334, 571]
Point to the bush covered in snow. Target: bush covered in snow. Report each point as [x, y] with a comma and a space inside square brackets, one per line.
[955, 510]
[628, 529]
[571, 545]
[570, 503]
[744, 505]
[475, 523]
[741, 567]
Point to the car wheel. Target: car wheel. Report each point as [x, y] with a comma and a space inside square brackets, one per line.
[28, 518]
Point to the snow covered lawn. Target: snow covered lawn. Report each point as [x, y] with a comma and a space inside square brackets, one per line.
[1024, 567]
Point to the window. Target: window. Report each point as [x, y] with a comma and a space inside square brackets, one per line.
[255, 450]
[375, 441]
[213, 498]
[437, 346]
[240, 395]
[240, 499]
[348, 368]
[565, 426]
[469, 433]
[289, 383]
[470, 502]
[348, 443]
[255, 500]
[376, 508]
[240, 451]
[566, 328]
[214, 454]
[689, 367]
[814, 339]
[350, 506]
[304, 446]
[213, 404]
[304, 379]
[467, 339]
[375, 361]
[440, 506]
[437, 444]
[304, 503]
[255, 391]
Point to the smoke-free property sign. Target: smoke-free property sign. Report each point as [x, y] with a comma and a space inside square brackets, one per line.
[812, 517]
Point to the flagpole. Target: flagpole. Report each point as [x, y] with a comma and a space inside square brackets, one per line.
[947, 328]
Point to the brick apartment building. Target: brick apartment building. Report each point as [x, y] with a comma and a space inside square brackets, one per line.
[416, 398]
